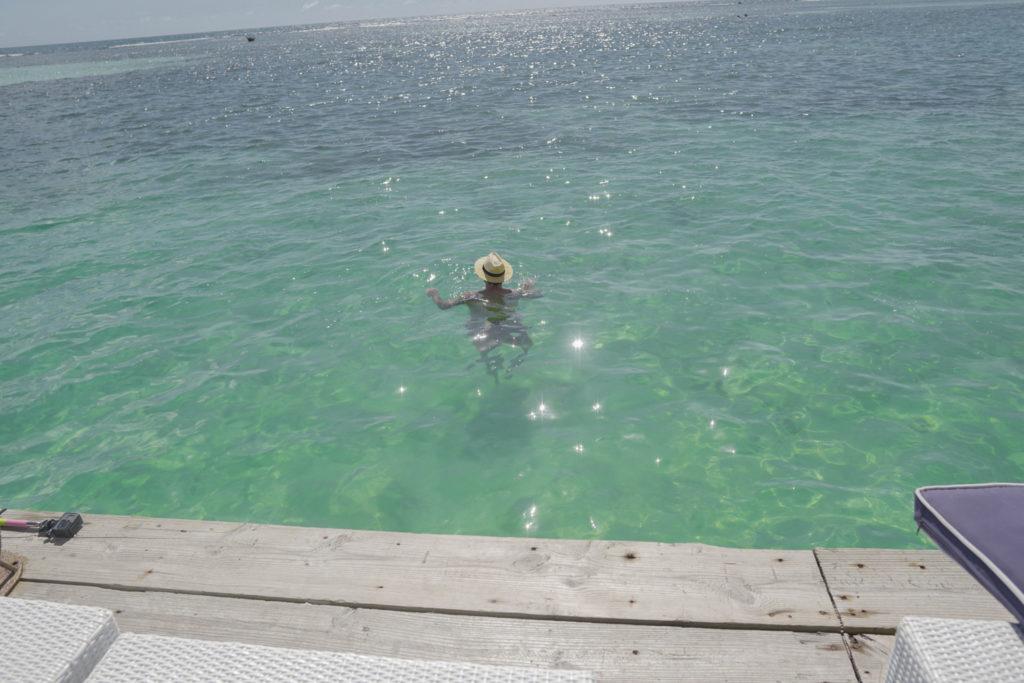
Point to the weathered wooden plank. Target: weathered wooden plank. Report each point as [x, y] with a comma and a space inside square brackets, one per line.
[874, 589]
[871, 655]
[653, 583]
[616, 652]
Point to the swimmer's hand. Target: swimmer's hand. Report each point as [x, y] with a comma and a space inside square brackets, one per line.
[436, 297]
[527, 291]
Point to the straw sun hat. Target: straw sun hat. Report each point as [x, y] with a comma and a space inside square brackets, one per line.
[493, 268]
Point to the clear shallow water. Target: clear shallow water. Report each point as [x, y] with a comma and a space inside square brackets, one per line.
[789, 242]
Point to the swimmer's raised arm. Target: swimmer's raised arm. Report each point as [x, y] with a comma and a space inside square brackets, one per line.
[527, 291]
[445, 304]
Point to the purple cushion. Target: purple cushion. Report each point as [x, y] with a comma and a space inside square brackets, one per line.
[980, 526]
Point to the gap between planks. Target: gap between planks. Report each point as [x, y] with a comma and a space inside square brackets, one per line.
[611, 621]
[845, 637]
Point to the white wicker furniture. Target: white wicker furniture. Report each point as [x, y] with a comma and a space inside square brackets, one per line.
[956, 650]
[47, 642]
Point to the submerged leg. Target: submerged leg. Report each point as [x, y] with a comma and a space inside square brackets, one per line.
[493, 363]
[484, 343]
[523, 343]
[516, 362]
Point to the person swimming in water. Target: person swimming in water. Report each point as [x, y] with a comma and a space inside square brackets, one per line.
[493, 318]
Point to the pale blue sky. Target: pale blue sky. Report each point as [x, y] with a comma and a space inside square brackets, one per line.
[39, 22]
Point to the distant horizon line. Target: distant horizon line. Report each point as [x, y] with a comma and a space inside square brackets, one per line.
[438, 15]
[243, 30]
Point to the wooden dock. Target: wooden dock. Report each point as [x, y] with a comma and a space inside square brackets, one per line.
[624, 610]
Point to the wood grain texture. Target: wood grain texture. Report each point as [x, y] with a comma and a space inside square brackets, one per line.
[652, 583]
[871, 655]
[615, 652]
[873, 589]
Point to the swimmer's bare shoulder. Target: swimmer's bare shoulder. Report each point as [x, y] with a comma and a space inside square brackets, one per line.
[445, 304]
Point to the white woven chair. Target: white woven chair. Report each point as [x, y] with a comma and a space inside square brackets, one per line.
[47, 642]
[955, 651]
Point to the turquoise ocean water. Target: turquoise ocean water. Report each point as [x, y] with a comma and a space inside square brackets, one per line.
[785, 237]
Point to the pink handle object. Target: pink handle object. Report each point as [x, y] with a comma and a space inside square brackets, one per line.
[21, 524]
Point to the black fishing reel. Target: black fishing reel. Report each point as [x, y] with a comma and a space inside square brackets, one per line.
[67, 526]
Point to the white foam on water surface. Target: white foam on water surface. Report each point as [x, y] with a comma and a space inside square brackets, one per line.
[320, 29]
[52, 72]
[149, 43]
